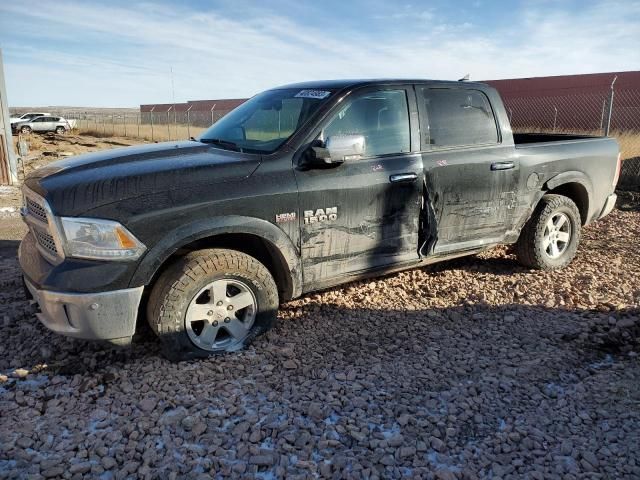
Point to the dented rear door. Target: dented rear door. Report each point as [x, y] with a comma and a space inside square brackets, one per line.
[471, 174]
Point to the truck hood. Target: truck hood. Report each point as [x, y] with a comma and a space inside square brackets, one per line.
[78, 184]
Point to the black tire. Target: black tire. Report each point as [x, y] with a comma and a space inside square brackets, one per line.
[25, 129]
[179, 285]
[60, 130]
[530, 248]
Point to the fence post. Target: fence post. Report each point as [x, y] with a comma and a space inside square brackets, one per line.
[151, 116]
[124, 121]
[555, 118]
[214, 106]
[104, 125]
[189, 122]
[138, 117]
[168, 125]
[608, 129]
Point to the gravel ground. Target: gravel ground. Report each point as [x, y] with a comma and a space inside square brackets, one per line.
[474, 368]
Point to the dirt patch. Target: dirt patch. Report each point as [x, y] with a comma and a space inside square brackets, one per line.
[44, 149]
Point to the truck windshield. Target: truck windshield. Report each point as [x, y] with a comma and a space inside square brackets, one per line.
[266, 121]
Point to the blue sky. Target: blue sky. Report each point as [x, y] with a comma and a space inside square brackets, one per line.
[117, 53]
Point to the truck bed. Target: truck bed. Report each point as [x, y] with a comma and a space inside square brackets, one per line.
[588, 160]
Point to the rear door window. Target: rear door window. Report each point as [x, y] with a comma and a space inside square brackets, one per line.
[458, 117]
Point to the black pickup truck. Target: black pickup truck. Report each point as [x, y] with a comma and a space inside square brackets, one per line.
[300, 188]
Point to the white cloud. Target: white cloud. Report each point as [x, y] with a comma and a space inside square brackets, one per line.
[126, 53]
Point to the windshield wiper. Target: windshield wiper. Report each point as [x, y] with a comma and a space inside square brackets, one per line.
[223, 143]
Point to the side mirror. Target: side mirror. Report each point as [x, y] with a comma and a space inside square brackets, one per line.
[339, 148]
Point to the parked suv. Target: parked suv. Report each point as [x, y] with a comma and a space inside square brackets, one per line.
[25, 117]
[43, 124]
[300, 188]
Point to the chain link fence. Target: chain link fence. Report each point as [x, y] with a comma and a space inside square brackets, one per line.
[152, 126]
[594, 113]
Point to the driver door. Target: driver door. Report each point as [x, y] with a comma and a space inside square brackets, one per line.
[364, 213]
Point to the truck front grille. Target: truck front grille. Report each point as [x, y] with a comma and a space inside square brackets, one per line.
[35, 209]
[42, 225]
[46, 241]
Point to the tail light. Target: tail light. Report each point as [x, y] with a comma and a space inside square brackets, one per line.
[618, 168]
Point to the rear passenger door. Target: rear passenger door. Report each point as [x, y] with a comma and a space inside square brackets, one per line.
[471, 176]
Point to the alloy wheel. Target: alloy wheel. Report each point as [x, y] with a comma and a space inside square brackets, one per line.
[557, 234]
[221, 314]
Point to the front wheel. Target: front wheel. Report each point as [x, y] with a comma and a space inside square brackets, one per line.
[25, 129]
[210, 302]
[550, 238]
[60, 130]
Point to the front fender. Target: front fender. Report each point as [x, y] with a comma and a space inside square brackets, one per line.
[211, 227]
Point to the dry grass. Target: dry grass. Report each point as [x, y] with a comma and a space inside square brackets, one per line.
[159, 133]
[629, 143]
[629, 140]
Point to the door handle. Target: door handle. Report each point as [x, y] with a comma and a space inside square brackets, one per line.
[502, 165]
[403, 178]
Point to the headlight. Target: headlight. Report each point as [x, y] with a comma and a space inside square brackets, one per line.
[99, 239]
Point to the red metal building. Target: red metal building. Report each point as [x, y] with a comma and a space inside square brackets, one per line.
[573, 102]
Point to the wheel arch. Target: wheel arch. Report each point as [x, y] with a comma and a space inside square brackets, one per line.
[576, 186]
[256, 237]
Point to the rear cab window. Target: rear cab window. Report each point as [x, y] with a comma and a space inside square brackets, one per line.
[457, 117]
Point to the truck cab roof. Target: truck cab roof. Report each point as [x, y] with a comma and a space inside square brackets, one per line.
[352, 83]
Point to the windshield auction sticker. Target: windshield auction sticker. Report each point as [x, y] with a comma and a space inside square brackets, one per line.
[319, 94]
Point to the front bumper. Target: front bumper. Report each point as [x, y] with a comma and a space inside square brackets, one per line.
[93, 316]
[608, 205]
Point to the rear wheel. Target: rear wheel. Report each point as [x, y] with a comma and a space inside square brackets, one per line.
[550, 238]
[60, 130]
[211, 302]
[25, 129]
